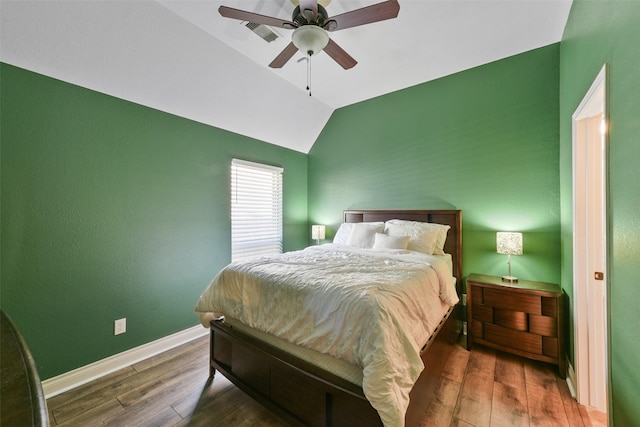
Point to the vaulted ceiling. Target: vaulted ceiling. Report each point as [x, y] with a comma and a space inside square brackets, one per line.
[182, 57]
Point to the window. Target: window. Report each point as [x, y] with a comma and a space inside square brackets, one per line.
[256, 210]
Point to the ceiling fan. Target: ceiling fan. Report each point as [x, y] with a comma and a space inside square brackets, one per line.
[311, 23]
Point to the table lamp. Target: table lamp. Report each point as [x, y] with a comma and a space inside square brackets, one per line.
[509, 243]
[317, 233]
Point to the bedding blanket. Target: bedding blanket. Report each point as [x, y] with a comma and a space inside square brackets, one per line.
[374, 309]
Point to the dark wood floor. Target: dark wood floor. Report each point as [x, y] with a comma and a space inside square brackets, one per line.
[478, 388]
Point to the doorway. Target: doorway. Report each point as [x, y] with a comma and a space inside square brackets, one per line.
[590, 275]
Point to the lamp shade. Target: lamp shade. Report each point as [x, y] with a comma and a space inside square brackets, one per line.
[509, 243]
[317, 232]
[310, 39]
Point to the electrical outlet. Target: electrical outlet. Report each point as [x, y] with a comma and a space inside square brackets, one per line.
[464, 299]
[120, 326]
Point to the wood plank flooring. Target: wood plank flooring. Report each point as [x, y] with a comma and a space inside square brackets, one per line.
[478, 388]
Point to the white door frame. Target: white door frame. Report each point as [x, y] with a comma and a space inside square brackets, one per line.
[590, 254]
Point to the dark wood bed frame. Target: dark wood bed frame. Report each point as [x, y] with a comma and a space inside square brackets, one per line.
[306, 395]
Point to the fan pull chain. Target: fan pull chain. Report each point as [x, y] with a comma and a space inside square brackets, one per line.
[309, 71]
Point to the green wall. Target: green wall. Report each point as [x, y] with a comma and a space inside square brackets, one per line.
[600, 32]
[110, 209]
[484, 141]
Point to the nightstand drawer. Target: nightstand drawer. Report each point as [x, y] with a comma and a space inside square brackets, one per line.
[543, 325]
[483, 313]
[477, 295]
[511, 338]
[511, 319]
[549, 306]
[512, 301]
[550, 347]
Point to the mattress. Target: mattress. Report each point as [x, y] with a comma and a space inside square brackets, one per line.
[371, 310]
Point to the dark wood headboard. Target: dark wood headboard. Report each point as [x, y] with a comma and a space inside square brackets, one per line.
[453, 218]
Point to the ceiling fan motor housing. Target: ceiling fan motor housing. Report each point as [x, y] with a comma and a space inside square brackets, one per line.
[298, 17]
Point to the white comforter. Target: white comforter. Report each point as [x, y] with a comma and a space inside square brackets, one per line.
[374, 309]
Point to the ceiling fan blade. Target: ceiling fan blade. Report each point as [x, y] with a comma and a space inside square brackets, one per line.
[284, 56]
[243, 15]
[377, 12]
[339, 55]
[309, 9]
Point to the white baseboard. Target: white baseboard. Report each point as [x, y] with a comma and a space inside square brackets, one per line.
[77, 377]
[571, 379]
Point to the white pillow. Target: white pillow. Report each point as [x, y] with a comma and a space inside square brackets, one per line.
[363, 234]
[425, 231]
[342, 235]
[384, 241]
[442, 238]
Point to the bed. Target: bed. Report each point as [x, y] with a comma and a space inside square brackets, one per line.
[334, 352]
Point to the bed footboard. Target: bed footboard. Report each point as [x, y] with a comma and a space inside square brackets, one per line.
[296, 390]
[306, 395]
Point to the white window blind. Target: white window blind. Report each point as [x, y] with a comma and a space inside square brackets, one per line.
[256, 210]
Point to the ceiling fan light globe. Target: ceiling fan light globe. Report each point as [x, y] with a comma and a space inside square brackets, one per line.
[310, 39]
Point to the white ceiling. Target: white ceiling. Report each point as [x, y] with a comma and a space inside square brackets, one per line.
[182, 57]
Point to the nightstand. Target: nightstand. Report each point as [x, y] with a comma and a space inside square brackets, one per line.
[523, 318]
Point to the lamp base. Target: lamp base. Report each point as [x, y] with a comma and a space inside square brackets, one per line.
[510, 279]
